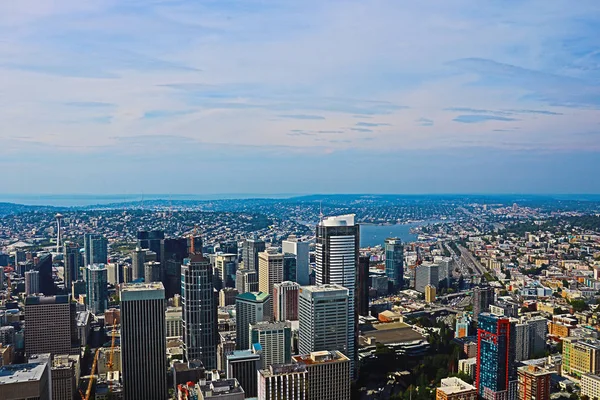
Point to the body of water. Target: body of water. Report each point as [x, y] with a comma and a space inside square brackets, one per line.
[372, 235]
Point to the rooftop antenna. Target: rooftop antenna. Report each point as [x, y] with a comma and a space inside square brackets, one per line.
[320, 212]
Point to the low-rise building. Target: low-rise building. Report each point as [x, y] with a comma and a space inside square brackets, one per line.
[455, 389]
[25, 381]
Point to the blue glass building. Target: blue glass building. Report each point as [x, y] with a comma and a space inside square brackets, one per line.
[394, 262]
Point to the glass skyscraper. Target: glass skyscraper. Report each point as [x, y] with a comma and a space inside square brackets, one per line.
[496, 377]
[394, 262]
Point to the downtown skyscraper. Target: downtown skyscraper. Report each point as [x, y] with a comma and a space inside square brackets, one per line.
[394, 262]
[199, 306]
[143, 341]
[95, 249]
[336, 254]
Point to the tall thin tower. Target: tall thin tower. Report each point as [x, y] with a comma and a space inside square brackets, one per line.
[336, 253]
[59, 218]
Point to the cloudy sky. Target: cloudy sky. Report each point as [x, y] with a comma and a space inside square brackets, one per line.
[288, 96]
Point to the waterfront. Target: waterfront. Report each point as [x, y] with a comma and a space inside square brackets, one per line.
[372, 235]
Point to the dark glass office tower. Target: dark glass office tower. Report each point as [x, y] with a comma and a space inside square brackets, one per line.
[173, 252]
[362, 286]
[199, 304]
[250, 253]
[151, 240]
[394, 262]
[95, 248]
[44, 267]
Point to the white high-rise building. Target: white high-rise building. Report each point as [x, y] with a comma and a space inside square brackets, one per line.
[336, 254]
[275, 339]
[300, 249]
[323, 319]
[32, 282]
[270, 272]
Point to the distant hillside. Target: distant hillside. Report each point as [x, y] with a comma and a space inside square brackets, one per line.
[12, 208]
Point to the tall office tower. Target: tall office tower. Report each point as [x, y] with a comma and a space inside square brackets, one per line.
[496, 376]
[275, 339]
[270, 271]
[336, 253]
[95, 249]
[199, 304]
[323, 319]
[394, 262]
[172, 254]
[250, 308]
[534, 383]
[290, 272]
[362, 286]
[538, 331]
[32, 282]
[138, 259]
[246, 281]
[25, 381]
[426, 274]
[44, 267]
[152, 271]
[522, 341]
[328, 375]
[454, 388]
[285, 301]
[114, 274]
[50, 325]
[250, 253]
[151, 240]
[243, 365]
[96, 279]
[445, 273]
[229, 247]
[225, 269]
[483, 297]
[143, 343]
[284, 381]
[72, 263]
[300, 250]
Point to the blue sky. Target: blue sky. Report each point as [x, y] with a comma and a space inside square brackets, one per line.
[286, 96]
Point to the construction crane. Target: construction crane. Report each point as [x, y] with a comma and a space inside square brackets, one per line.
[110, 364]
[88, 392]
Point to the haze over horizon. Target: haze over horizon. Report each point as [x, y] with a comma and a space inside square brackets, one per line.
[266, 96]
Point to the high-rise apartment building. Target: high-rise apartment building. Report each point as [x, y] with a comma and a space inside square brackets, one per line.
[323, 319]
[580, 356]
[72, 261]
[483, 297]
[521, 341]
[300, 250]
[50, 325]
[394, 262]
[143, 342]
[250, 252]
[534, 383]
[32, 282]
[275, 339]
[243, 365]
[285, 301]
[270, 271]
[95, 249]
[336, 255]
[284, 381]
[328, 375]
[96, 288]
[250, 308]
[455, 389]
[538, 331]
[199, 303]
[496, 377]
[246, 281]
[362, 286]
[426, 274]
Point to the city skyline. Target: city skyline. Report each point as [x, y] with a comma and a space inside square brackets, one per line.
[458, 99]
